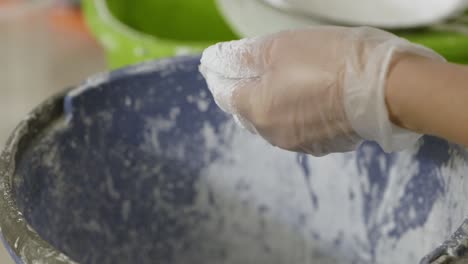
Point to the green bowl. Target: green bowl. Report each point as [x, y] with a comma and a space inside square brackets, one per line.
[135, 31]
[449, 39]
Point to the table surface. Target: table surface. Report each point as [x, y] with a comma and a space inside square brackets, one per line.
[72, 56]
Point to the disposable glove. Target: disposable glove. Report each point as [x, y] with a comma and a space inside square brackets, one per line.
[317, 90]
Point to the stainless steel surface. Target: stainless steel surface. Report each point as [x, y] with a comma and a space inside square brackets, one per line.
[38, 59]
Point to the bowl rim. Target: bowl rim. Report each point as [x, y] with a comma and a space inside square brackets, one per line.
[107, 19]
[22, 240]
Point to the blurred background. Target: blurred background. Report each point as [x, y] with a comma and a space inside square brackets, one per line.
[49, 45]
[44, 47]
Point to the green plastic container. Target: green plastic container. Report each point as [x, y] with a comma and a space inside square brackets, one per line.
[449, 39]
[132, 31]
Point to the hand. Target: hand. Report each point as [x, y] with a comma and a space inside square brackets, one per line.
[317, 90]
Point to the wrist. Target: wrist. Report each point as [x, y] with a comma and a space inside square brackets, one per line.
[405, 90]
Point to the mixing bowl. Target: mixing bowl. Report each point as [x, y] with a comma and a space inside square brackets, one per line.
[140, 166]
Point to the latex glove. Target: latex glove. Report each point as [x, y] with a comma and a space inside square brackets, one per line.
[317, 90]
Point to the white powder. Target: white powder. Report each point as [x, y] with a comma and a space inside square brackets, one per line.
[252, 174]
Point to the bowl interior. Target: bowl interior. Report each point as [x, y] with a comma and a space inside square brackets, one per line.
[176, 19]
[144, 168]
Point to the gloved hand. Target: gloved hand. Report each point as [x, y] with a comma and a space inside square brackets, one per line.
[317, 90]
